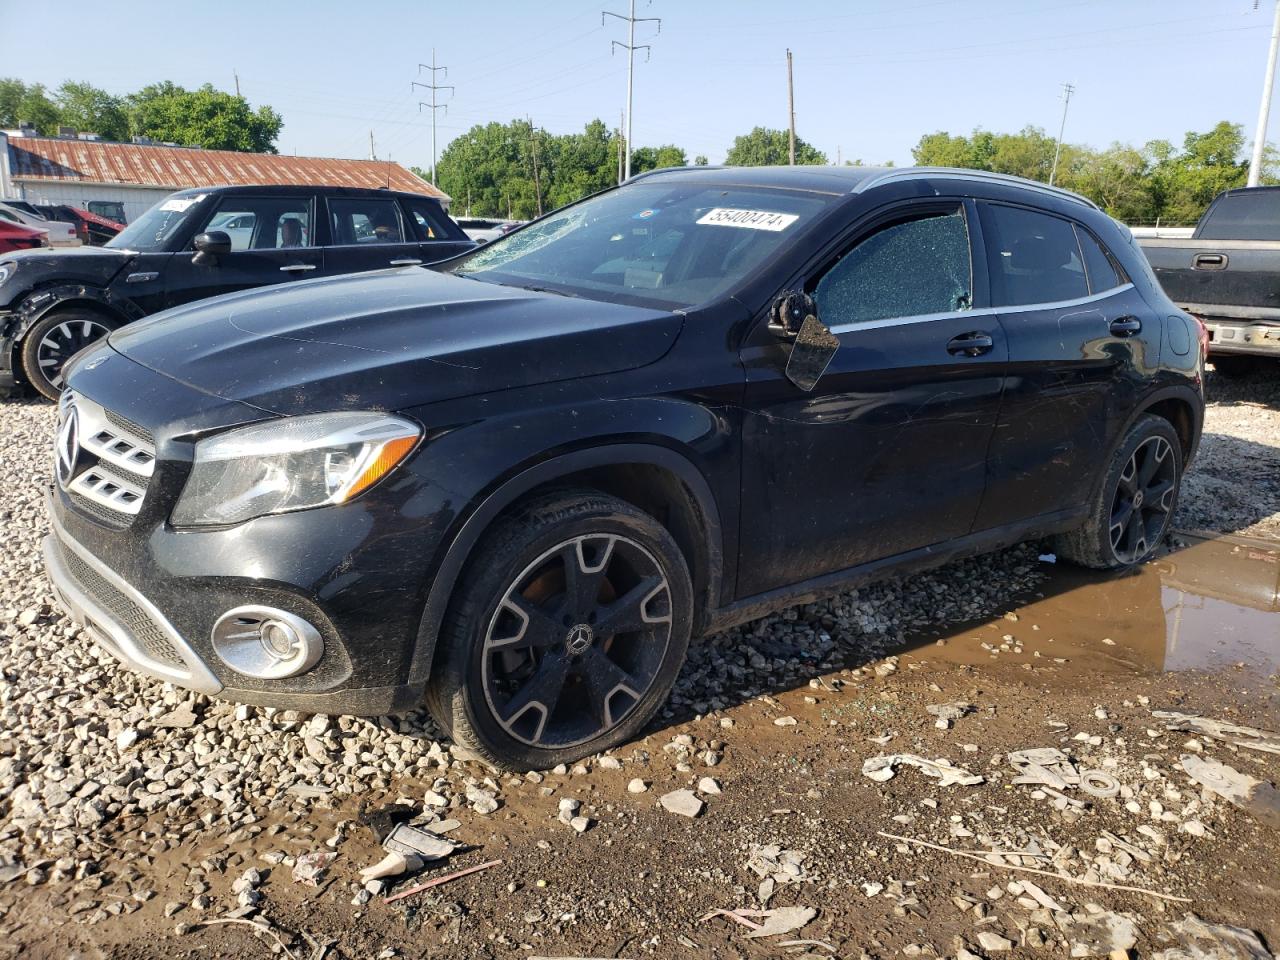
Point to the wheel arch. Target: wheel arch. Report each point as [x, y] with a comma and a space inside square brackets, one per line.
[1184, 410]
[656, 479]
[38, 304]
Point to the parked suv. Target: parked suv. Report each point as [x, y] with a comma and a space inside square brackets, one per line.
[516, 484]
[54, 302]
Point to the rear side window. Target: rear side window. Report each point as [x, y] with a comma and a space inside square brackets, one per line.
[912, 267]
[1033, 257]
[1102, 272]
[1248, 215]
[428, 218]
[361, 220]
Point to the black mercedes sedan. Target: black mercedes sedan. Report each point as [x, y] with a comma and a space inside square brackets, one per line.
[516, 484]
[198, 243]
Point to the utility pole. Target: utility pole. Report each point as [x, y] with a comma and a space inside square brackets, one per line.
[622, 120]
[791, 112]
[631, 48]
[533, 145]
[435, 88]
[1264, 110]
[372, 155]
[1067, 91]
[237, 76]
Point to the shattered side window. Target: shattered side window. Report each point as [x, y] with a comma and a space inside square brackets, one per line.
[906, 269]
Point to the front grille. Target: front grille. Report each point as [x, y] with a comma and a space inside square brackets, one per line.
[148, 634]
[105, 462]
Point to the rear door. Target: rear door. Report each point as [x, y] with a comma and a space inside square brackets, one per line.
[1081, 342]
[888, 453]
[439, 238]
[272, 241]
[368, 233]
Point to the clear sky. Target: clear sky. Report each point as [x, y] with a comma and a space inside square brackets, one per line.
[871, 76]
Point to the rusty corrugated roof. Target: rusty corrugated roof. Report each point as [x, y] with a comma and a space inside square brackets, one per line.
[175, 168]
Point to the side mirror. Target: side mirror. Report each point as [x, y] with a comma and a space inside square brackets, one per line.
[209, 246]
[794, 317]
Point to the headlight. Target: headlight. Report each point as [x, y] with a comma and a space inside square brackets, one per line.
[291, 464]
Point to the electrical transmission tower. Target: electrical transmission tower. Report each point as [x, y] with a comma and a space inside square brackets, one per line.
[1067, 91]
[630, 46]
[434, 105]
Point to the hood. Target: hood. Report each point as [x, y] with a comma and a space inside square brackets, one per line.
[390, 340]
[92, 265]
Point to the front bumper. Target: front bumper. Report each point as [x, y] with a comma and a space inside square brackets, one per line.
[137, 632]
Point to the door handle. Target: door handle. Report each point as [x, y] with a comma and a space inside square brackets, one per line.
[970, 344]
[1209, 261]
[298, 268]
[405, 263]
[1125, 326]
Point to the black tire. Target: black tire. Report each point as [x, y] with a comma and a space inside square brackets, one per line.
[1138, 495]
[55, 339]
[1234, 366]
[514, 632]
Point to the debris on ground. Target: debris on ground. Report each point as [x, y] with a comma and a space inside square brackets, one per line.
[776, 922]
[411, 840]
[1248, 793]
[1095, 932]
[948, 713]
[883, 768]
[1248, 738]
[394, 864]
[310, 867]
[686, 803]
[446, 878]
[1198, 940]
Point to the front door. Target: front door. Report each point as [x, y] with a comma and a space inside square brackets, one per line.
[272, 241]
[1081, 342]
[888, 453]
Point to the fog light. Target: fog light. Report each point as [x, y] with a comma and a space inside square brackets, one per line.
[266, 643]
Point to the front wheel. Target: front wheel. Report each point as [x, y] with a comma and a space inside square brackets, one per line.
[565, 633]
[54, 340]
[1133, 508]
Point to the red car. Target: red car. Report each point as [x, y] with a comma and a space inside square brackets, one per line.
[15, 236]
[90, 228]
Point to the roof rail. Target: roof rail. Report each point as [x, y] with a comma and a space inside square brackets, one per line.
[956, 173]
[687, 167]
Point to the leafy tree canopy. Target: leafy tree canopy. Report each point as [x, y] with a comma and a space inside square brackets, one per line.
[162, 111]
[763, 147]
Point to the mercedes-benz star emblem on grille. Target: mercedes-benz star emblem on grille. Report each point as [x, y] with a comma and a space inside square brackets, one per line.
[68, 447]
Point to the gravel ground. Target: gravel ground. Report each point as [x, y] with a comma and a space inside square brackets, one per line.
[106, 777]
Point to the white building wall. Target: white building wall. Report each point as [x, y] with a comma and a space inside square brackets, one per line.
[77, 193]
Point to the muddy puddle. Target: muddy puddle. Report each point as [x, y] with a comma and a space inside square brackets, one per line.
[1208, 604]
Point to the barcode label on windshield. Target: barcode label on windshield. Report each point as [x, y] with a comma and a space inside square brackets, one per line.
[750, 219]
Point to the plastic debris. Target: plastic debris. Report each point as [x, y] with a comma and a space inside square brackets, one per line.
[883, 768]
[1100, 934]
[310, 867]
[414, 841]
[1099, 784]
[394, 864]
[1248, 793]
[1249, 738]
[1048, 558]
[1198, 940]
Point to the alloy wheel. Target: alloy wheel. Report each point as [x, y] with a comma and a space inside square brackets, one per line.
[576, 641]
[1143, 503]
[62, 342]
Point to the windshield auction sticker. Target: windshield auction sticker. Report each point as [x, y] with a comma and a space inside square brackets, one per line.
[750, 219]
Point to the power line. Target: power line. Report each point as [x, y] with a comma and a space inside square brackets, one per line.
[1067, 91]
[631, 48]
[434, 105]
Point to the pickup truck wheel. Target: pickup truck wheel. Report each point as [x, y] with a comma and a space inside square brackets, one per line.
[1133, 508]
[565, 633]
[54, 340]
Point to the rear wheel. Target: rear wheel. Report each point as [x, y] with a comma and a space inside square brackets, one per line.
[1133, 508]
[54, 340]
[565, 634]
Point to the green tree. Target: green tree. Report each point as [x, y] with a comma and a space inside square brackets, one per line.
[655, 158]
[90, 109]
[206, 118]
[22, 102]
[1182, 183]
[700, 160]
[763, 147]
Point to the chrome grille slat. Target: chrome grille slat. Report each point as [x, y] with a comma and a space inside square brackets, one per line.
[121, 459]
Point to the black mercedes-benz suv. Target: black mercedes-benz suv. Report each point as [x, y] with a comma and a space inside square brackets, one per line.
[517, 483]
[198, 243]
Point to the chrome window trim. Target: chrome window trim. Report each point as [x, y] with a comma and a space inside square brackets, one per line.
[980, 312]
